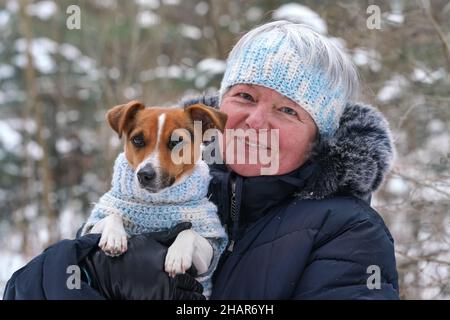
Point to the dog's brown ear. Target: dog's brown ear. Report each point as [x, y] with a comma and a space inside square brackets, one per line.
[120, 117]
[209, 117]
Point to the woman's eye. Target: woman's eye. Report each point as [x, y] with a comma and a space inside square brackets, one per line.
[138, 141]
[289, 111]
[246, 96]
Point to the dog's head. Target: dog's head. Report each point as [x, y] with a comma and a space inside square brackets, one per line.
[163, 144]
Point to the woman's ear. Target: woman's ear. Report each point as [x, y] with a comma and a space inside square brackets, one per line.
[209, 117]
[121, 117]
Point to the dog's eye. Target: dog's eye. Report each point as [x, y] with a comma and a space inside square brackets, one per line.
[138, 141]
[173, 143]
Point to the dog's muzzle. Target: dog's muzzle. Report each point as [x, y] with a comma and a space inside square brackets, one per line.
[146, 175]
[152, 180]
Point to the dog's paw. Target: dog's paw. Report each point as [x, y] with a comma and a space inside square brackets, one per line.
[178, 258]
[113, 242]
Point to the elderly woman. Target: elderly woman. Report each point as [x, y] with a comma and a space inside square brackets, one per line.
[304, 231]
[307, 231]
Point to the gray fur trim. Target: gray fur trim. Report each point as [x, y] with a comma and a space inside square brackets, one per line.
[208, 100]
[354, 160]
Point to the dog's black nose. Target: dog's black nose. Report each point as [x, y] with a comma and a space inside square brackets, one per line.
[146, 175]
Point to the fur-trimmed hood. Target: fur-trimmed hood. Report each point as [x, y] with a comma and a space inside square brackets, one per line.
[354, 160]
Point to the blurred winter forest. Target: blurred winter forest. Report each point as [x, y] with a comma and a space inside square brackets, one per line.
[56, 83]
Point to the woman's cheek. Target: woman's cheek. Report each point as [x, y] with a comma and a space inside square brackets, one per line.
[293, 146]
[233, 117]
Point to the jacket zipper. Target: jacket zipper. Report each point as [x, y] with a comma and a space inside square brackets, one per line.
[233, 200]
[233, 210]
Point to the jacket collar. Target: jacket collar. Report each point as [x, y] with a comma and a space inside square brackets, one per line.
[254, 196]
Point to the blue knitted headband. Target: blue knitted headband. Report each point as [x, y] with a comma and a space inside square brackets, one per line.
[275, 60]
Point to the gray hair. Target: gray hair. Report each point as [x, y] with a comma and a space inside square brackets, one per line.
[316, 50]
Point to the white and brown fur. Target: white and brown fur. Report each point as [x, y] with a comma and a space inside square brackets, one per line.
[152, 127]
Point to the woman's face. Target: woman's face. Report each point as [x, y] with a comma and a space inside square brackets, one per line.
[254, 108]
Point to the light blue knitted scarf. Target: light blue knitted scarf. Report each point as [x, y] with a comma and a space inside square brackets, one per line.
[143, 211]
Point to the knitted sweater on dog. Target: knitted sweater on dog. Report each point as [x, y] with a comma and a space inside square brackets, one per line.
[143, 211]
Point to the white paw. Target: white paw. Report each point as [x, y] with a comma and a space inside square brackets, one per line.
[113, 242]
[179, 258]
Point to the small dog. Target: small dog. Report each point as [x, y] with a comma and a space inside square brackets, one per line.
[150, 192]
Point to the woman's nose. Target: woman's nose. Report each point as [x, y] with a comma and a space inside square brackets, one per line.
[257, 118]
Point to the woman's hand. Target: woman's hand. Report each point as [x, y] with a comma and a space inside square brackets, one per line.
[139, 273]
